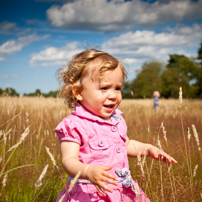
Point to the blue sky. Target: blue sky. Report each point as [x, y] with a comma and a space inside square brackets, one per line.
[39, 36]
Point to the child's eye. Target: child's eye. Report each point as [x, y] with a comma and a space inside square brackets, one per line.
[103, 88]
[118, 88]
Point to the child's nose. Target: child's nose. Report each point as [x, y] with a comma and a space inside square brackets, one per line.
[112, 94]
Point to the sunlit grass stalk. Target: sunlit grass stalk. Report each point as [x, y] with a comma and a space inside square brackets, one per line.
[6, 162]
[161, 173]
[161, 177]
[182, 187]
[10, 119]
[41, 190]
[4, 144]
[5, 179]
[148, 180]
[22, 138]
[171, 184]
[62, 198]
[185, 145]
[169, 168]
[73, 182]
[196, 138]
[189, 153]
[23, 166]
[39, 181]
[152, 162]
[194, 173]
[140, 164]
[164, 133]
[13, 148]
[54, 163]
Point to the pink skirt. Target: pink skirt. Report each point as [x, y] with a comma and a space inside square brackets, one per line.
[87, 193]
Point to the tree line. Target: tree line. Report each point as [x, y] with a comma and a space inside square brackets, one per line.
[12, 92]
[180, 71]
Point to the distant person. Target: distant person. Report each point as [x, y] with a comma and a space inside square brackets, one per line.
[156, 96]
[93, 138]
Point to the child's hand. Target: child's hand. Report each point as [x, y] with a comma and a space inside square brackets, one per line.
[157, 154]
[98, 175]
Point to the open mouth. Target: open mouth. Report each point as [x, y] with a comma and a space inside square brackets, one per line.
[109, 106]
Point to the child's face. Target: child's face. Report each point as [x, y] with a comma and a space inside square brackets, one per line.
[102, 97]
[157, 94]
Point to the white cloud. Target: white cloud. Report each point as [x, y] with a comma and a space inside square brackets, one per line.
[6, 76]
[147, 45]
[60, 1]
[103, 15]
[130, 61]
[53, 56]
[7, 26]
[13, 46]
[133, 48]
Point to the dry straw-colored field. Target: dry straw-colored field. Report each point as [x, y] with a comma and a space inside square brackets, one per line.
[30, 165]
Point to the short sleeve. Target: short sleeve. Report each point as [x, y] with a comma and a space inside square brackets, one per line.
[67, 131]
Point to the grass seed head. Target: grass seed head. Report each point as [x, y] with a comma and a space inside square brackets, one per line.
[164, 131]
[73, 182]
[189, 134]
[62, 198]
[196, 136]
[39, 181]
[51, 157]
[22, 138]
[180, 96]
[194, 173]
[4, 180]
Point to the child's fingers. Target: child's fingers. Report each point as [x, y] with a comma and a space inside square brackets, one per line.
[102, 185]
[166, 158]
[173, 160]
[107, 174]
[100, 190]
[110, 181]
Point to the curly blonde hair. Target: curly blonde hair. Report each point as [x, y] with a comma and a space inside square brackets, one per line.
[79, 68]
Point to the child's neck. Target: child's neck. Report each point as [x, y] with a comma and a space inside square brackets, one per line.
[106, 119]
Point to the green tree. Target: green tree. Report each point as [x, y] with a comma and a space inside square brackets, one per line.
[127, 90]
[11, 92]
[148, 80]
[199, 75]
[1, 91]
[51, 94]
[200, 52]
[37, 92]
[180, 71]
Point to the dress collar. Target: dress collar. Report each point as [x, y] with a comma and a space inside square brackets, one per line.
[84, 113]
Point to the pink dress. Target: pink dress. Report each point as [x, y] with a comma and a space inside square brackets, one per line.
[101, 143]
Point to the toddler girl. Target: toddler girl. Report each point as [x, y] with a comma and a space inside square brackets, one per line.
[94, 137]
[156, 96]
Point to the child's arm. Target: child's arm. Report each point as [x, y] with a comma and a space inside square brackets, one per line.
[97, 174]
[135, 148]
[156, 103]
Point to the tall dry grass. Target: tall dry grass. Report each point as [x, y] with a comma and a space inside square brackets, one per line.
[27, 125]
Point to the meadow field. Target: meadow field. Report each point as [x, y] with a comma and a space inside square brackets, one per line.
[30, 161]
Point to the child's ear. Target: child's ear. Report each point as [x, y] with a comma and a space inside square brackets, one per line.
[76, 91]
